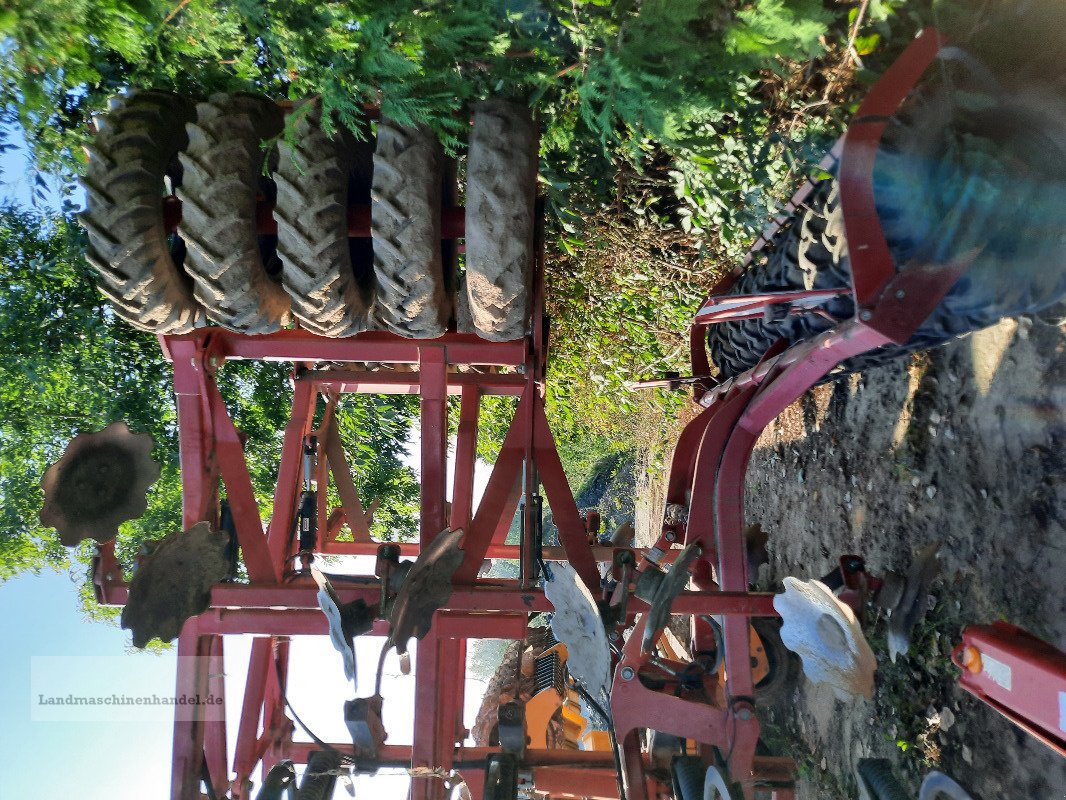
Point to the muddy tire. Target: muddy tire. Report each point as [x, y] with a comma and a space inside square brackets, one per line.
[688, 774]
[783, 665]
[876, 775]
[322, 268]
[950, 182]
[223, 166]
[501, 183]
[317, 782]
[139, 267]
[412, 299]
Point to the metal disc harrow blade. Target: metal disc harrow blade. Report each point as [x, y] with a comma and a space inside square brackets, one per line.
[174, 583]
[427, 588]
[100, 482]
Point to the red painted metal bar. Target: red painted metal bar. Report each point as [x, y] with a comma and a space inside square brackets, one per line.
[437, 671]
[496, 597]
[729, 308]
[286, 497]
[534, 757]
[188, 748]
[601, 553]
[310, 622]
[199, 503]
[229, 453]
[387, 382]
[215, 729]
[245, 752]
[871, 262]
[1020, 676]
[373, 346]
[277, 727]
[580, 782]
[572, 533]
[465, 458]
[199, 479]
[502, 482]
[530, 490]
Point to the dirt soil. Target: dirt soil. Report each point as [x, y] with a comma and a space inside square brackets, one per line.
[966, 446]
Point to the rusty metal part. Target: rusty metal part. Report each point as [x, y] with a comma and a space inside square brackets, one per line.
[511, 719]
[427, 587]
[670, 586]
[174, 583]
[100, 482]
[346, 620]
[912, 605]
[363, 718]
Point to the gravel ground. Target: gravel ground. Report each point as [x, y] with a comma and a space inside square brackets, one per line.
[965, 445]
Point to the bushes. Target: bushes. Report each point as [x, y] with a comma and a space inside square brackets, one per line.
[606, 75]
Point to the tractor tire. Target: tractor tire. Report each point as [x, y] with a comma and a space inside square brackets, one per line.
[317, 782]
[328, 276]
[950, 182]
[412, 298]
[693, 781]
[688, 774]
[876, 775]
[783, 664]
[938, 786]
[237, 274]
[139, 270]
[501, 185]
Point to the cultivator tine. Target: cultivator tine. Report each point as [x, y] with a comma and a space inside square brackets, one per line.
[913, 603]
[346, 620]
[100, 482]
[426, 589]
[668, 588]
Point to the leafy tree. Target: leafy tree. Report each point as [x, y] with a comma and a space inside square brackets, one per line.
[72, 367]
[612, 73]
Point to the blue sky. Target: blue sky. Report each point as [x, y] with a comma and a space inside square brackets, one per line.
[41, 618]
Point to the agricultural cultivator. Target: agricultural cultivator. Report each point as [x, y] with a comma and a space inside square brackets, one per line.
[353, 261]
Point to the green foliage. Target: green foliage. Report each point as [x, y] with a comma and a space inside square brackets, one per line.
[772, 27]
[70, 367]
[73, 367]
[374, 430]
[614, 74]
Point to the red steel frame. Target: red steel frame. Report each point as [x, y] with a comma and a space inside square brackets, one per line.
[707, 475]
[711, 457]
[1020, 676]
